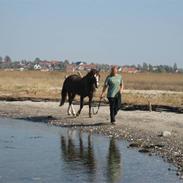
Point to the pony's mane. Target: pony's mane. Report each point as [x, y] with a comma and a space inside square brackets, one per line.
[92, 72]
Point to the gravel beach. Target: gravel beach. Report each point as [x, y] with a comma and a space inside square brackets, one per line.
[154, 133]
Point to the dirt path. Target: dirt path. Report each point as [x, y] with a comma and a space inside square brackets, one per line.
[142, 129]
[154, 122]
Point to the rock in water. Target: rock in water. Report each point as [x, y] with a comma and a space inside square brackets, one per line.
[166, 133]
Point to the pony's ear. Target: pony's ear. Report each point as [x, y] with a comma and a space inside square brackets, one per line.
[97, 71]
[88, 73]
[92, 71]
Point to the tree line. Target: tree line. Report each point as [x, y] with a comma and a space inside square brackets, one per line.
[7, 62]
[158, 68]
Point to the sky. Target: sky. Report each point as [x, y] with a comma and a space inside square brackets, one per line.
[100, 31]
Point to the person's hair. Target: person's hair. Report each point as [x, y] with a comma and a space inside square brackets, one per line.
[112, 70]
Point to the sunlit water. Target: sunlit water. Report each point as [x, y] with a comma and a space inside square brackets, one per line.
[35, 152]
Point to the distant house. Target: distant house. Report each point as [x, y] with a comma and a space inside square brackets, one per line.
[55, 65]
[86, 67]
[79, 63]
[37, 67]
[119, 69]
[45, 64]
[155, 68]
[70, 68]
[129, 70]
[55, 62]
[21, 69]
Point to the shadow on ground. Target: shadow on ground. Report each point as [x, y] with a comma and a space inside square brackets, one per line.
[62, 122]
[38, 119]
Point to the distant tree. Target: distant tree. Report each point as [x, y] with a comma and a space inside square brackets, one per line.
[134, 66]
[103, 67]
[150, 68]
[37, 60]
[66, 62]
[175, 67]
[15, 65]
[24, 62]
[145, 67]
[7, 59]
[139, 67]
[61, 66]
[168, 68]
[161, 68]
[1, 62]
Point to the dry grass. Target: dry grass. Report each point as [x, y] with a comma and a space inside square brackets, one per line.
[31, 83]
[48, 84]
[152, 81]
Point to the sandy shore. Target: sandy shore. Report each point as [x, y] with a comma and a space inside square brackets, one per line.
[141, 128]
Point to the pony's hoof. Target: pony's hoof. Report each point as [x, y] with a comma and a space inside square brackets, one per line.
[74, 115]
[77, 114]
[90, 116]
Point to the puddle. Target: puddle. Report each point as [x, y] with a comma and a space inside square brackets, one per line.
[35, 152]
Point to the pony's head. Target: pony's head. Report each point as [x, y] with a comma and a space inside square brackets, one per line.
[94, 77]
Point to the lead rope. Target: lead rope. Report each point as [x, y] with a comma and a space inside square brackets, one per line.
[94, 113]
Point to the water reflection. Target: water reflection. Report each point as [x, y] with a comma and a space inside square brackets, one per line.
[72, 156]
[114, 162]
[78, 152]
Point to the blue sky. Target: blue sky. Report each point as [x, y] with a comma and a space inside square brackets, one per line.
[104, 31]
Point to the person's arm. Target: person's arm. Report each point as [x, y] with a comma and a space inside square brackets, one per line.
[103, 91]
[121, 86]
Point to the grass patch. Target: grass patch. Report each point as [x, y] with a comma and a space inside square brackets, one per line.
[48, 84]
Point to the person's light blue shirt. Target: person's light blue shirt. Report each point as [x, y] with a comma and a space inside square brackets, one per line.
[113, 83]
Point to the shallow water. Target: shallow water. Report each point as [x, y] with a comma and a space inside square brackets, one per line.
[35, 152]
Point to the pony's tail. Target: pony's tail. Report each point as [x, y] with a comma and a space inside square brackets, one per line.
[63, 95]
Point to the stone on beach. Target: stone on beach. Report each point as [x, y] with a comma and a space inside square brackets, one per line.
[166, 134]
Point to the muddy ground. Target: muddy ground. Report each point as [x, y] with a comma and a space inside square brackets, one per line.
[154, 133]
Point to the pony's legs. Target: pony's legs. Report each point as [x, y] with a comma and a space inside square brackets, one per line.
[90, 103]
[70, 102]
[60, 99]
[72, 134]
[70, 109]
[81, 106]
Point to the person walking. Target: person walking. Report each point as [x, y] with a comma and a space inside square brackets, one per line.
[114, 83]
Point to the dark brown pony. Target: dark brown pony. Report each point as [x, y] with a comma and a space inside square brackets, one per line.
[82, 86]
